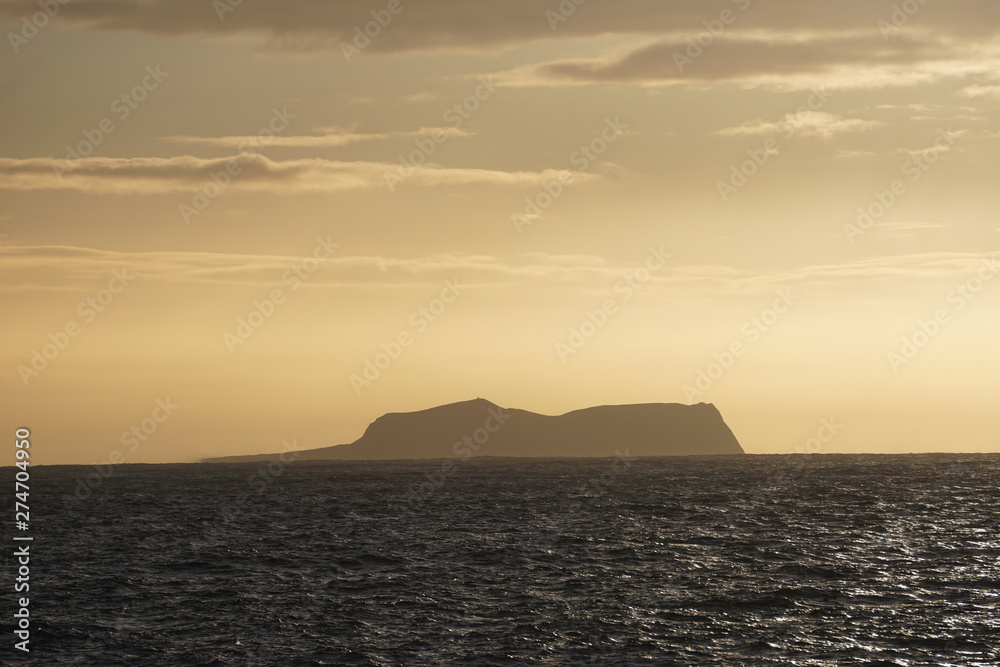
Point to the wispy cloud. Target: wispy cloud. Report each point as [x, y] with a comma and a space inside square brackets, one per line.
[328, 138]
[936, 149]
[74, 268]
[981, 91]
[417, 98]
[302, 25]
[850, 154]
[909, 226]
[806, 124]
[70, 268]
[256, 172]
[844, 60]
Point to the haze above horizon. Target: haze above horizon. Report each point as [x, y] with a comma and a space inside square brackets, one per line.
[227, 225]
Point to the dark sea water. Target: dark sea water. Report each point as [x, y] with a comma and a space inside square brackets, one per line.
[757, 560]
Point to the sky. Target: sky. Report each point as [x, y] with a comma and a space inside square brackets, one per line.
[230, 225]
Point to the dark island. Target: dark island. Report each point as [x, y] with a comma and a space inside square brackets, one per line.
[481, 428]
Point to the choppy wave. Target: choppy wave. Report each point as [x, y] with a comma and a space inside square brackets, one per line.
[821, 560]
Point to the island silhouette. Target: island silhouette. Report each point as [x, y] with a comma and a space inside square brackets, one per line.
[482, 428]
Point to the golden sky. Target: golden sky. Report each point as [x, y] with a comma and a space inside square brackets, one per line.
[225, 225]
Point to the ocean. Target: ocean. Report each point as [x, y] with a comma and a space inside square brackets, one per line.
[752, 560]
